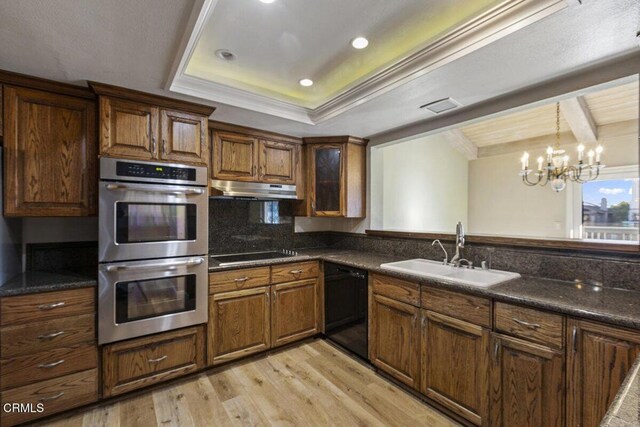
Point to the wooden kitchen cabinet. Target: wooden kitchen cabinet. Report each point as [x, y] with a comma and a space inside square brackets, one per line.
[294, 311]
[527, 383]
[50, 155]
[394, 339]
[455, 365]
[239, 324]
[245, 154]
[598, 360]
[234, 157]
[336, 177]
[139, 362]
[139, 126]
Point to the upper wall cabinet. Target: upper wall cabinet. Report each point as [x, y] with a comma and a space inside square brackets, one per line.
[50, 155]
[336, 177]
[245, 154]
[136, 125]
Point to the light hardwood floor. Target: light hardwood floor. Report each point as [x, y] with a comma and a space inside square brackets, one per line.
[312, 384]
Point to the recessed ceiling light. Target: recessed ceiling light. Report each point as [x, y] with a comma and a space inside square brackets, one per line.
[441, 105]
[306, 82]
[359, 42]
[267, 1]
[225, 54]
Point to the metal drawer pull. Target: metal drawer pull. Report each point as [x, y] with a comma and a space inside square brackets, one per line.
[52, 305]
[51, 365]
[50, 336]
[54, 397]
[158, 360]
[295, 271]
[241, 279]
[527, 324]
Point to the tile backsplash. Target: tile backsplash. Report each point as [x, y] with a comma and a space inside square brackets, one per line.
[249, 225]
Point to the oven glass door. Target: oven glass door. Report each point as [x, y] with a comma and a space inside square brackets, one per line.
[144, 299]
[155, 222]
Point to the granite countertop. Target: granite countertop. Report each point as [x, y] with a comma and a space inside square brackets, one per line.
[625, 409]
[37, 281]
[616, 306]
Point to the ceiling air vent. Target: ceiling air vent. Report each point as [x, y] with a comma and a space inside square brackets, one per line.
[441, 105]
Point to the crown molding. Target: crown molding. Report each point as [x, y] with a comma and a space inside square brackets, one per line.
[497, 22]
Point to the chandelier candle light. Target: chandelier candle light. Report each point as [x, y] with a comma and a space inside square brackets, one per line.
[557, 170]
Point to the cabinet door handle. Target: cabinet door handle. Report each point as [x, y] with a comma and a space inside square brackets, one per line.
[255, 168]
[527, 324]
[164, 147]
[424, 321]
[260, 171]
[268, 296]
[496, 350]
[52, 305]
[295, 271]
[54, 397]
[158, 360]
[50, 336]
[574, 338]
[51, 365]
[241, 279]
[153, 144]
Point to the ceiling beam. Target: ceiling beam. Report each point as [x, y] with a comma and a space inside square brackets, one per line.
[460, 142]
[577, 114]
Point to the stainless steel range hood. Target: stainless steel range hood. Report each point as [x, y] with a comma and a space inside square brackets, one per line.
[252, 190]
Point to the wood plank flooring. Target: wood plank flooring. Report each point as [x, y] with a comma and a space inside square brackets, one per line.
[312, 384]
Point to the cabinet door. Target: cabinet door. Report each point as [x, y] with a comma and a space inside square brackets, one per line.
[395, 339]
[455, 365]
[327, 184]
[599, 358]
[234, 157]
[294, 311]
[128, 129]
[527, 384]
[238, 324]
[184, 137]
[278, 162]
[50, 165]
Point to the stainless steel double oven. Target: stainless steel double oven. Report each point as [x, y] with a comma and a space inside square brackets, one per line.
[153, 246]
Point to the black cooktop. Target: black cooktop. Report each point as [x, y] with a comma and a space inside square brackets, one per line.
[251, 256]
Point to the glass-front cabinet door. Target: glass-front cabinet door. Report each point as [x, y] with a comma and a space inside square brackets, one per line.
[327, 192]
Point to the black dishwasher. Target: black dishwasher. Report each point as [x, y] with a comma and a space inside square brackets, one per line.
[345, 307]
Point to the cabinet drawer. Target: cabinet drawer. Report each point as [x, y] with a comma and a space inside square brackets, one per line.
[533, 325]
[56, 395]
[461, 306]
[46, 305]
[141, 362]
[22, 370]
[41, 336]
[235, 280]
[397, 289]
[295, 271]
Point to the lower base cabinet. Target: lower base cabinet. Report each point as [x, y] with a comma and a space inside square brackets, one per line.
[294, 312]
[140, 362]
[395, 339]
[598, 360]
[455, 365]
[527, 384]
[238, 324]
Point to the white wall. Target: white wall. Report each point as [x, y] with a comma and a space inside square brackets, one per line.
[422, 185]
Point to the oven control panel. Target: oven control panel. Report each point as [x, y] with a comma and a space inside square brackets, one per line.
[158, 171]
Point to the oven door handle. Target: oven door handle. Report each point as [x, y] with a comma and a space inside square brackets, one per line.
[157, 266]
[187, 191]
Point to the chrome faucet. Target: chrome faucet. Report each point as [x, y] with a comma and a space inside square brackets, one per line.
[446, 256]
[459, 244]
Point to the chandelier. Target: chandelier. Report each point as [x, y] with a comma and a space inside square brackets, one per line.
[557, 170]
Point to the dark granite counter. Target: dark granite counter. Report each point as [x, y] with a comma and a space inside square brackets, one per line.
[616, 306]
[625, 409]
[36, 281]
